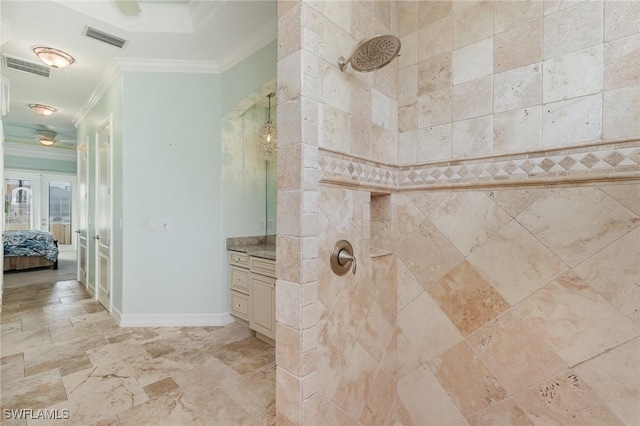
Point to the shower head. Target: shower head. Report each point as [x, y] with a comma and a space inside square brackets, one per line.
[372, 54]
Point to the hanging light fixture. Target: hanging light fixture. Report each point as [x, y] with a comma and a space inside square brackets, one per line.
[42, 109]
[47, 137]
[267, 138]
[53, 57]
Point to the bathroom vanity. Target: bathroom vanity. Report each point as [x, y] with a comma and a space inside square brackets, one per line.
[252, 284]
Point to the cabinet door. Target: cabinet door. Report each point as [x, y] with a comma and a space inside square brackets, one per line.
[263, 305]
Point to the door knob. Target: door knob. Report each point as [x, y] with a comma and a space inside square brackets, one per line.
[97, 237]
[342, 258]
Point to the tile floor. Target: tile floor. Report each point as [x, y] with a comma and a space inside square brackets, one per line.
[62, 353]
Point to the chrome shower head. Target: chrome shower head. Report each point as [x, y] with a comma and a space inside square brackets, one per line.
[372, 54]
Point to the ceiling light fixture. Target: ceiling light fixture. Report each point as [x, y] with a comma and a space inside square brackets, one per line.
[47, 137]
[267, 139]
[53, 57]
[42, 109]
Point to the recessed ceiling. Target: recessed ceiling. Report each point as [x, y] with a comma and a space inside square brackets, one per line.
[213, 31]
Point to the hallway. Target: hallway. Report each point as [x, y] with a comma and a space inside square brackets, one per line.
[62, 353]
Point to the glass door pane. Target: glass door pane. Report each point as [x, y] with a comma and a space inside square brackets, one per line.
[60, 212]
[18, 211]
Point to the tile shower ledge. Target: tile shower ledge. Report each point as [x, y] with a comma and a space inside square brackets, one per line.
[263, 247]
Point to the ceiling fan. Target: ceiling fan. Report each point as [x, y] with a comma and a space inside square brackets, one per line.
[128, 7]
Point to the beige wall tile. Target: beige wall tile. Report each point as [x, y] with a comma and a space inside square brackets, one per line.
[384, 111]
[408, 84]
[472, 137]
[472, 23]
[289, 303]
[407, 117]
[432, 11]
[434, 73]
[554, 6]
[408, 286]
[434, 143]
[425, 400]
[335, 345]
[621, 19]
[407, 147]
[566, 76]
[288, 396]
[472, 62]
[378, 330]
[626, 194]
[409, 48]
[622, 63]
[427, 201]
[289, 31]
[505, 412]
[575, 320]
[559, 220]
[466, 379]
[621, 110]
[518, 47]
[468, 219]
[514, 201]
[379, 405]
[518, 358]
[407, 17]
[467, 298]
[572, 121]
[509, 14]
[333, 127]
[573, 29]
[518, 88]
[427, 328]
[435, 39]
[422, 247]
[356, 382]
[565, 399]
[614, 271]
[611, 376]
[517, 130]
[472, 99]
[516, 263]
[434, 108]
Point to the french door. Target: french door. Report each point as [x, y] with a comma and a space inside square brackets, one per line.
[103, 216]
[41, 201]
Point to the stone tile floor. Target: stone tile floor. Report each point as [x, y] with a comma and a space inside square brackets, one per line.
[62, 355]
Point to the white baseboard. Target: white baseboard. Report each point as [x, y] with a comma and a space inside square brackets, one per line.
[116, 315]
[174, 320]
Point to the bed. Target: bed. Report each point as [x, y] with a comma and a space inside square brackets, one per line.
[29, 249]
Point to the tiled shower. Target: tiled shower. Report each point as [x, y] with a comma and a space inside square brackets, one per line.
[489, 182]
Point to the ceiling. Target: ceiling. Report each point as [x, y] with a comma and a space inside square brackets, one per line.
[217, 33]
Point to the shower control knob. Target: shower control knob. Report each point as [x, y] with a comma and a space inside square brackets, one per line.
[342, 259]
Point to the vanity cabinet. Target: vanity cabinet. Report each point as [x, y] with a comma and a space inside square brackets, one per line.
[253, 292]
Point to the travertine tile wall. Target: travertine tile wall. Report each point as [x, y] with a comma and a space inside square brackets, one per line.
[505, 298]
[492, 77]
[519, 306]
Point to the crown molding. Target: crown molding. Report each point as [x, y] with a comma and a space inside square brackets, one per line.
[109, 76]
[18, 149]
[168, 65]
[202, 11]
[266, 35]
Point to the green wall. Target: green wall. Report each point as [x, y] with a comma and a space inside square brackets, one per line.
[171, 170]
[39, 164]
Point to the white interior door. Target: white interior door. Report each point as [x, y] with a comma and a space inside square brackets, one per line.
[83, 212]
[103, 217]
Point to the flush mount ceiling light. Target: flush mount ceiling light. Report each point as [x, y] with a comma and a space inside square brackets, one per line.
[47, 137]
[267, 139]
[42, 109]
[53, 57]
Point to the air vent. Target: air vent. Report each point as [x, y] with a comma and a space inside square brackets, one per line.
[26, 66]
[104, 37]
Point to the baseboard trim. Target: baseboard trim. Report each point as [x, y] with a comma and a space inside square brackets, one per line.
[116, 315]
[174, 320]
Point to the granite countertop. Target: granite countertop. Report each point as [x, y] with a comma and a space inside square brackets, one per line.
[263, 246]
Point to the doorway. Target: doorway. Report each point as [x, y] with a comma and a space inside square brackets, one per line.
[103, 216]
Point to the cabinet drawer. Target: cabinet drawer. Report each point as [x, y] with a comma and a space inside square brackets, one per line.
[239, 279]
[263, 267]
[240, 305]
[239, 259]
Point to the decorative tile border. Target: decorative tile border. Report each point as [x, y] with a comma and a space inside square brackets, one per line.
[607, 160]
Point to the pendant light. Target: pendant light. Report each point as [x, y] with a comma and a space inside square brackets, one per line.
[267, 139]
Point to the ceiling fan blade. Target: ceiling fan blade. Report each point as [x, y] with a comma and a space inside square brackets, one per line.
[128, 7]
